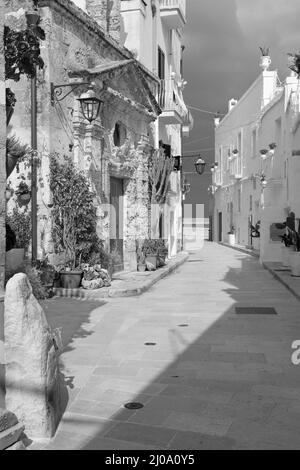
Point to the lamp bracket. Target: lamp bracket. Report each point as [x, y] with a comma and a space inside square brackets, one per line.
[57, 91]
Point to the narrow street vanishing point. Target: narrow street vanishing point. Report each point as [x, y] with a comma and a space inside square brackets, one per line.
[209, 376]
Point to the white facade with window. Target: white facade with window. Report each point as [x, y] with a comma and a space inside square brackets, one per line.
[255, 185]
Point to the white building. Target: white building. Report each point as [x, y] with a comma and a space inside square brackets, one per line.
[257, 168]
[153, 30]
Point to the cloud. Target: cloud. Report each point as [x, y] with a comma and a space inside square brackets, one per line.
[221, 60]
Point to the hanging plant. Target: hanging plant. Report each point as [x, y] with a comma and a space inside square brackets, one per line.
[295, 63]
[235, 151]
[272, 146]
[265, 51]
[22, 52]
[263, 151]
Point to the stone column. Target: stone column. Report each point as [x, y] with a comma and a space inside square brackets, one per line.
[33, 390]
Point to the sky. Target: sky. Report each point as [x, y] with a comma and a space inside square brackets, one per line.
[222, 39]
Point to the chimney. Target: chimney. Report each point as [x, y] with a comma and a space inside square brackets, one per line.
[231, 104]
[107, 13]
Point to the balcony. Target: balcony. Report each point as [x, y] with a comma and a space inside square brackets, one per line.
[174, 110]
[173, 13]
[236, 171]
[188, 124]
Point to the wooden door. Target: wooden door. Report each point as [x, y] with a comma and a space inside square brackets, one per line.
[220, 227]
[116, 220]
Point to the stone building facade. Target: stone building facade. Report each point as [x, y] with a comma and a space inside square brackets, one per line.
[114, 151]
[154, 32]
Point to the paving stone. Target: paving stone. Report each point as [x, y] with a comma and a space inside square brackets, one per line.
[197, 441]
[152, 435]
[236, 387]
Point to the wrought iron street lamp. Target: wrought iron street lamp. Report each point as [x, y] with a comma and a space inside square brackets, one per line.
[90, 104]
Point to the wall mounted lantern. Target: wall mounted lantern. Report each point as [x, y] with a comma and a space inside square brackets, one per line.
[90, 104]
[200, 166]
[272, 148]
[263, 152]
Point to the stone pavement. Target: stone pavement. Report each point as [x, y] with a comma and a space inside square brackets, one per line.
[213, 380]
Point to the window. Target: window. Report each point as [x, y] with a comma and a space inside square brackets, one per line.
[253, 143]
[161, 64]
[119, 134]
[239, 200]
[240, 143]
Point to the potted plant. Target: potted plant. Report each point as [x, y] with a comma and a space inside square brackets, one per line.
[73, 217]
[235, 151]
[231, 236]
[287, 239]
[272, 147]
[141, 258]
[294, 236]
[18, 236]
[265, 60]
[150, 252]
[162, 252]
[23, 193]
[263, 153]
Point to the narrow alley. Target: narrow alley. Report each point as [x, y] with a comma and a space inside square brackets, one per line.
[208, 376]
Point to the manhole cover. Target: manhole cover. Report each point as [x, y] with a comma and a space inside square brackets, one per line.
[184, 325]
[150, 344]
[134, 406]
[255, 311]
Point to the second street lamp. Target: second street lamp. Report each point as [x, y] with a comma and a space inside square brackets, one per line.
[200, 166]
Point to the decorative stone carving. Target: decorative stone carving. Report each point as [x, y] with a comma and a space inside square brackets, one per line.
[31, 355]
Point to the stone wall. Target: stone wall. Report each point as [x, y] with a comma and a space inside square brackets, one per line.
[74, 43]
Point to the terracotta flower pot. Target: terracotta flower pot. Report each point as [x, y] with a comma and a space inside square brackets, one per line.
[71, 279]
[141, 267]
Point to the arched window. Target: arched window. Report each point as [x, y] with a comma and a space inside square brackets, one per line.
[119, 134]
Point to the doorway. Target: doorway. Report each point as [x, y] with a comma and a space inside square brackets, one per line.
[220, 227]
[116, 221]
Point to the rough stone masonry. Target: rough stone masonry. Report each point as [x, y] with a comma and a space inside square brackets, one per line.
[33, 386]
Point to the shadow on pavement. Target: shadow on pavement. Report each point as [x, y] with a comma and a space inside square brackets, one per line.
[72, 316]
[212, 381]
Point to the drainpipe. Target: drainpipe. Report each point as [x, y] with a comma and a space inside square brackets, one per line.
[32, 21]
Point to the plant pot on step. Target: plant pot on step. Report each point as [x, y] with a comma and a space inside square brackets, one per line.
[141, 267]
[152, 259]
[71, 279]
[295, 263]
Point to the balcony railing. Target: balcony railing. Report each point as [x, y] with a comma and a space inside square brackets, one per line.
[170, 101]
[172, 8]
